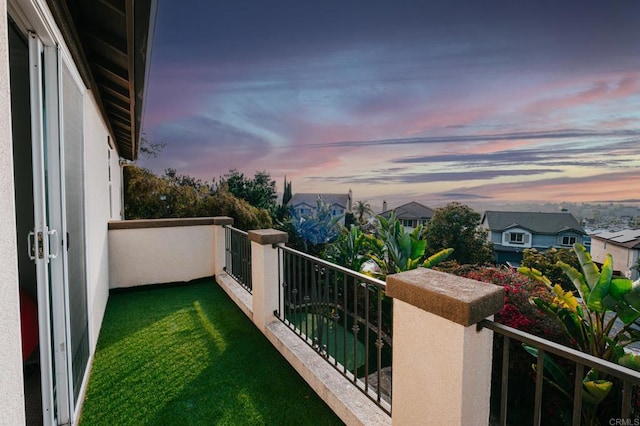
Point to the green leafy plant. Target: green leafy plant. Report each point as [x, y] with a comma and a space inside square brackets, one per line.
[399, 250]
[601, 317]
[601, 302]
[349, 250]
[317, 229]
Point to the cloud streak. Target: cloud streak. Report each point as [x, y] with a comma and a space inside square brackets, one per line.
[513, 136]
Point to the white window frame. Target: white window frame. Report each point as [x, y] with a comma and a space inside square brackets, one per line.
[517, 237]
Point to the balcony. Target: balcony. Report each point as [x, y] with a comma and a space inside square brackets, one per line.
[333, 328]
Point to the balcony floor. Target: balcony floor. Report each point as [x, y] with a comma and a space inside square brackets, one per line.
[186, 354]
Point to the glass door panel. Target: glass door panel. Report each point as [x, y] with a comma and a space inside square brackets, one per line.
[72, 123]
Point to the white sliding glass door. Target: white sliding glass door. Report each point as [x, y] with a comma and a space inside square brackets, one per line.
[57, 242]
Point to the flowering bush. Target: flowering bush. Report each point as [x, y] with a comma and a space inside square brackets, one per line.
[518, 312]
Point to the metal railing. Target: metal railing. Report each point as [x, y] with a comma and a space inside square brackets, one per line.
[343, 315]
[238, 256]
[623, 396]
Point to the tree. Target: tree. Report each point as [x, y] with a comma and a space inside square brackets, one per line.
[362, 211]
[456, 226]
[547, 263]
[260, 191]
[286, 194]
[245, 216]
[281, 212]
[148, 196]
[150, 149]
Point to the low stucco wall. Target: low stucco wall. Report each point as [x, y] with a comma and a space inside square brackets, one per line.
[158, 251]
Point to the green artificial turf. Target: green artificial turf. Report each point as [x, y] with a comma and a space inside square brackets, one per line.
[185, 354]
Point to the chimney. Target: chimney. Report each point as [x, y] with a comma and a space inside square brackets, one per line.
[384, 205]
[350, 200]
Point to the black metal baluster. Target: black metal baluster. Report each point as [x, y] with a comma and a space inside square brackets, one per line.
[336, 317]
[345, 325]
[577, 395]
[625, 413]
[355, 329]
[537, 407]
[504, 392]
[313, 300]
[366, 339]
[379, 345]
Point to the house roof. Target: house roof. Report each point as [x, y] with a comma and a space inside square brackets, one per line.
[110, 41]
[311, 199]
[411, 210]
[629, 238]
[537, 222]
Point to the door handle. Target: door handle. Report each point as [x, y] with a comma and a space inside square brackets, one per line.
[31, 237]
[54, 233]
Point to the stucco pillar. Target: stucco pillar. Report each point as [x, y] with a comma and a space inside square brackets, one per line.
[11, 381]
[264, 274]
[441, 363]
[219, 244]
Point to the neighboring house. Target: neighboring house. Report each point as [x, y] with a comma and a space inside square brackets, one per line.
[410, 214]
[623, 245]
[71, 94]
[307, 203]
[512, 232]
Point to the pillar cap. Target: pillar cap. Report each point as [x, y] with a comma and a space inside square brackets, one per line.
[461, 300]
[223, 220]
[268, 236]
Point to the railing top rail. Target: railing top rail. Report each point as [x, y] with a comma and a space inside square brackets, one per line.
[339, 268]
[239, 231]
[564, 351]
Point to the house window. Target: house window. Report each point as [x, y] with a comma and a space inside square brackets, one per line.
[424, 221]
[568, 241]
[407, 222]
[516, 238]
[335, 212]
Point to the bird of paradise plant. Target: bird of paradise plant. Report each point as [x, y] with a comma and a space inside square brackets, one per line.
[588, 317]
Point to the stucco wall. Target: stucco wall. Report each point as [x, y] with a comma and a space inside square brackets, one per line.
[12, 397]
[623, 258]
[160, 255]
[98, 215]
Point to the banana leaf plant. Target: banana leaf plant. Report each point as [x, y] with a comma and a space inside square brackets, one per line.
[601, 316]
[599, 303]
[399, 250]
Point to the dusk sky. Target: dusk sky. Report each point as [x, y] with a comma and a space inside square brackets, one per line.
[402, 100]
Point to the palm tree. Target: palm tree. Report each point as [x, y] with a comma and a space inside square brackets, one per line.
[362, 210]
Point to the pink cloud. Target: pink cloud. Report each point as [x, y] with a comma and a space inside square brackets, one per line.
[601, 90]
[606, 186]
